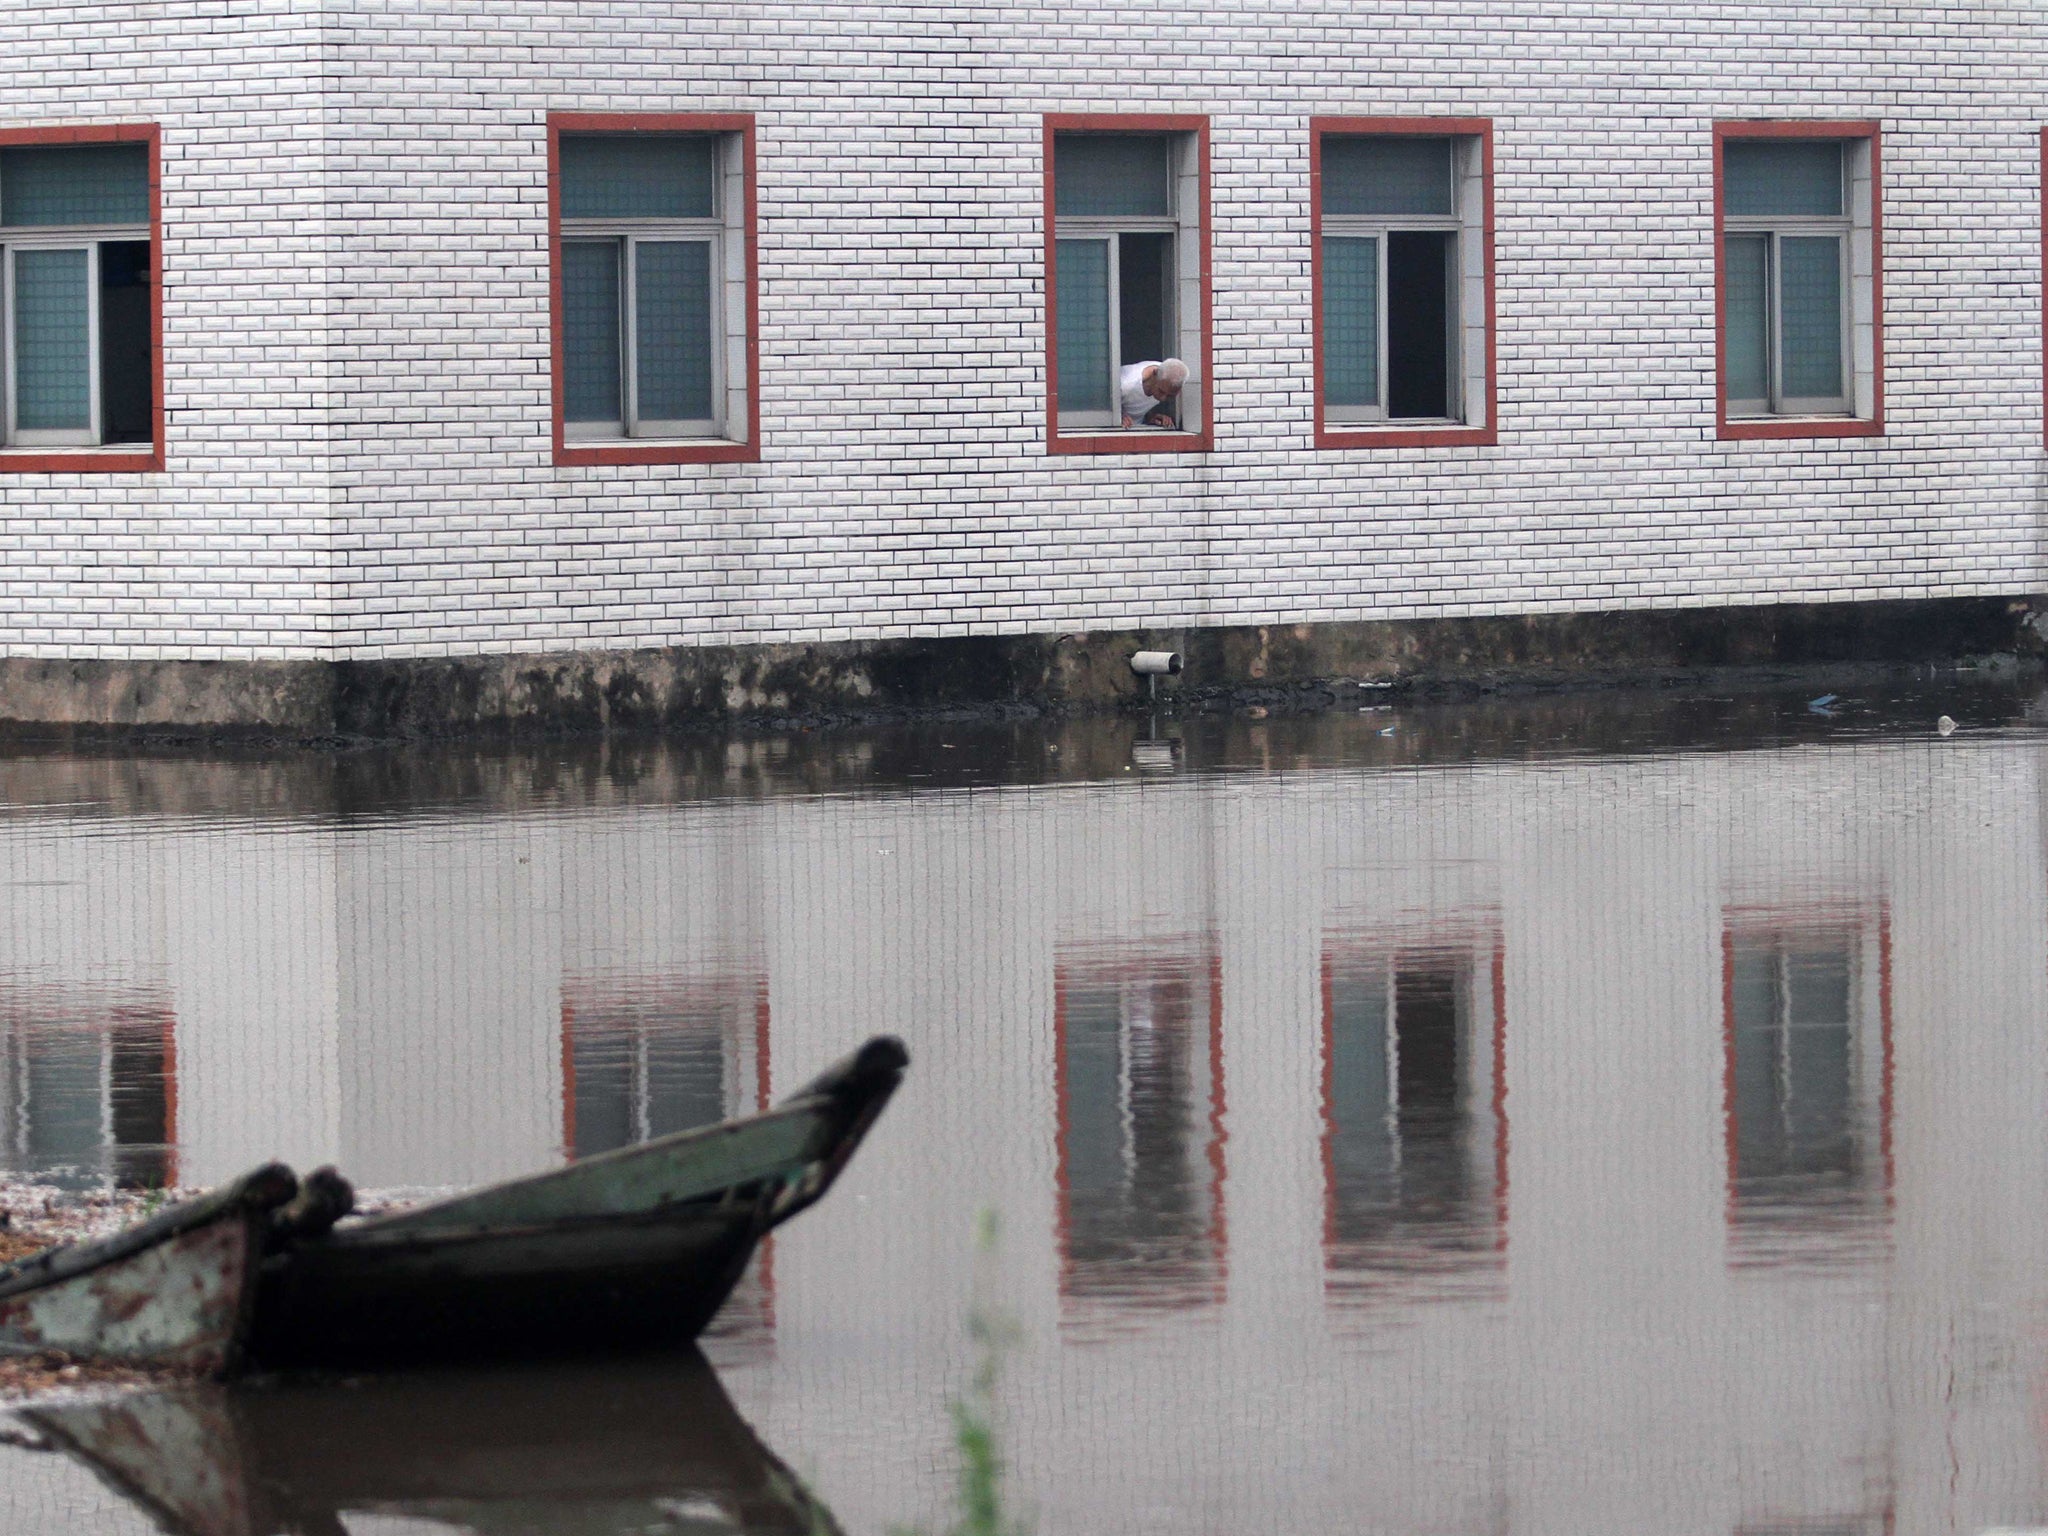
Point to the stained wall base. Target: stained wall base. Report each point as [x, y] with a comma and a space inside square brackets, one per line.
[680, 687]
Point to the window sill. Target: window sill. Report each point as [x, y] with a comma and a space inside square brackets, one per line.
[1739, 427]
[643, 450]
[1404, 434]
[1129, 440]
[123, 458]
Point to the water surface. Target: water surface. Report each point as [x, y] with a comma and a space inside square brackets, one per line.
[1615, 1112]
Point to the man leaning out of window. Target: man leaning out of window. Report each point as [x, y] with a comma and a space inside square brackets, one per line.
[1149, 390]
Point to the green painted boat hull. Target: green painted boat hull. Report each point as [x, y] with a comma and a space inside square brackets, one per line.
[633, 1248]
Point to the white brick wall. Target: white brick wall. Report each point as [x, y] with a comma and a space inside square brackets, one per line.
[356, 326]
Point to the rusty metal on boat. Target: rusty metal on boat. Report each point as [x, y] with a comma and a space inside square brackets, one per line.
[177, 1289]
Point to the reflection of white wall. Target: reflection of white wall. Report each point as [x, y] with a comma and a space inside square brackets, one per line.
[450, 994]
[248, 943]
[391, 993]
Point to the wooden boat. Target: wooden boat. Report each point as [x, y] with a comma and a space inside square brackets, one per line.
[177, 1289]
[630, 1248]
[602, 1449]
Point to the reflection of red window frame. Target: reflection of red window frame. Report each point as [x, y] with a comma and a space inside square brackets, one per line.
[116, 1018]
[763, 1090]
[1105, 440]
[1497, 971]
[139, 457]
[1348, 435]
[627, 450]
[568, 1027]
[1791, 920]
[1131, 969]
[168, 1026]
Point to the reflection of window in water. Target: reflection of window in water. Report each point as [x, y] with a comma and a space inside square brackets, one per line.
[1140, 1150]
[1803, 1074]
[1412, 1137]
[650, 1057]
[85, 1094]
[646, 1056]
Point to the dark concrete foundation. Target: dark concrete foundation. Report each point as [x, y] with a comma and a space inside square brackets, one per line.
[682, 687]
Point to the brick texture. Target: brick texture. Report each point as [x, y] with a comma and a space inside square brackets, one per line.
[356, 350]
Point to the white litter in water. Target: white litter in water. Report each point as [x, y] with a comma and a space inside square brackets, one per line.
[1945, 726]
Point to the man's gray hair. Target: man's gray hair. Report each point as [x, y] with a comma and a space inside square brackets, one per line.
[1173, 373]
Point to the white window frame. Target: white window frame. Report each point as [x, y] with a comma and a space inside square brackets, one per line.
[88, 238]
[1465, 303]
[1852, 229]
[725, 233]
[1184, 291]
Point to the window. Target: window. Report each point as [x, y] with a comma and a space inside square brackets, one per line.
[1807, 1024]
[1127, 271]
[87, 1085]
[653, 293]
[1137, 1057]
[78, 299]
[1403, 281]
[1798, 279]
[1414, 1123]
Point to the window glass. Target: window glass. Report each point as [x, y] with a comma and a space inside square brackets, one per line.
[1351, 321]
[1112, 175]
[67, 1127]
[1746, 319]
[1144, 297]
[1383, 176]
[639, 176]
[1081, 326]
[1810, 315]
[127, 387]
[1419, 323]
[1364, 1127]
[52, 363]
[1772, 177]
[1793, 1070]
[672, 292]
[74, 184]
[590, 331]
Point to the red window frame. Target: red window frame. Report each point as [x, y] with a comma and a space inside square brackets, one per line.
[627, 451]
[1847, 426]
[124, 459]
[1351, 436]
[1132, 441]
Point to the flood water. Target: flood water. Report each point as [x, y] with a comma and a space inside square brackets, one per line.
[1621, 1112]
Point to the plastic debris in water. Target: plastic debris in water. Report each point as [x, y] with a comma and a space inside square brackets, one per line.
[1945, 726]
[1820, 705]
[1388, 731]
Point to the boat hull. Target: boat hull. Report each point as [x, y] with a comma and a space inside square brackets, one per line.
[634, 1248]
[177, 1290]
[180, 1303]
[522, 1292]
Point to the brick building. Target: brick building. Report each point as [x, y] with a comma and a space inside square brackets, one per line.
[444, 331]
